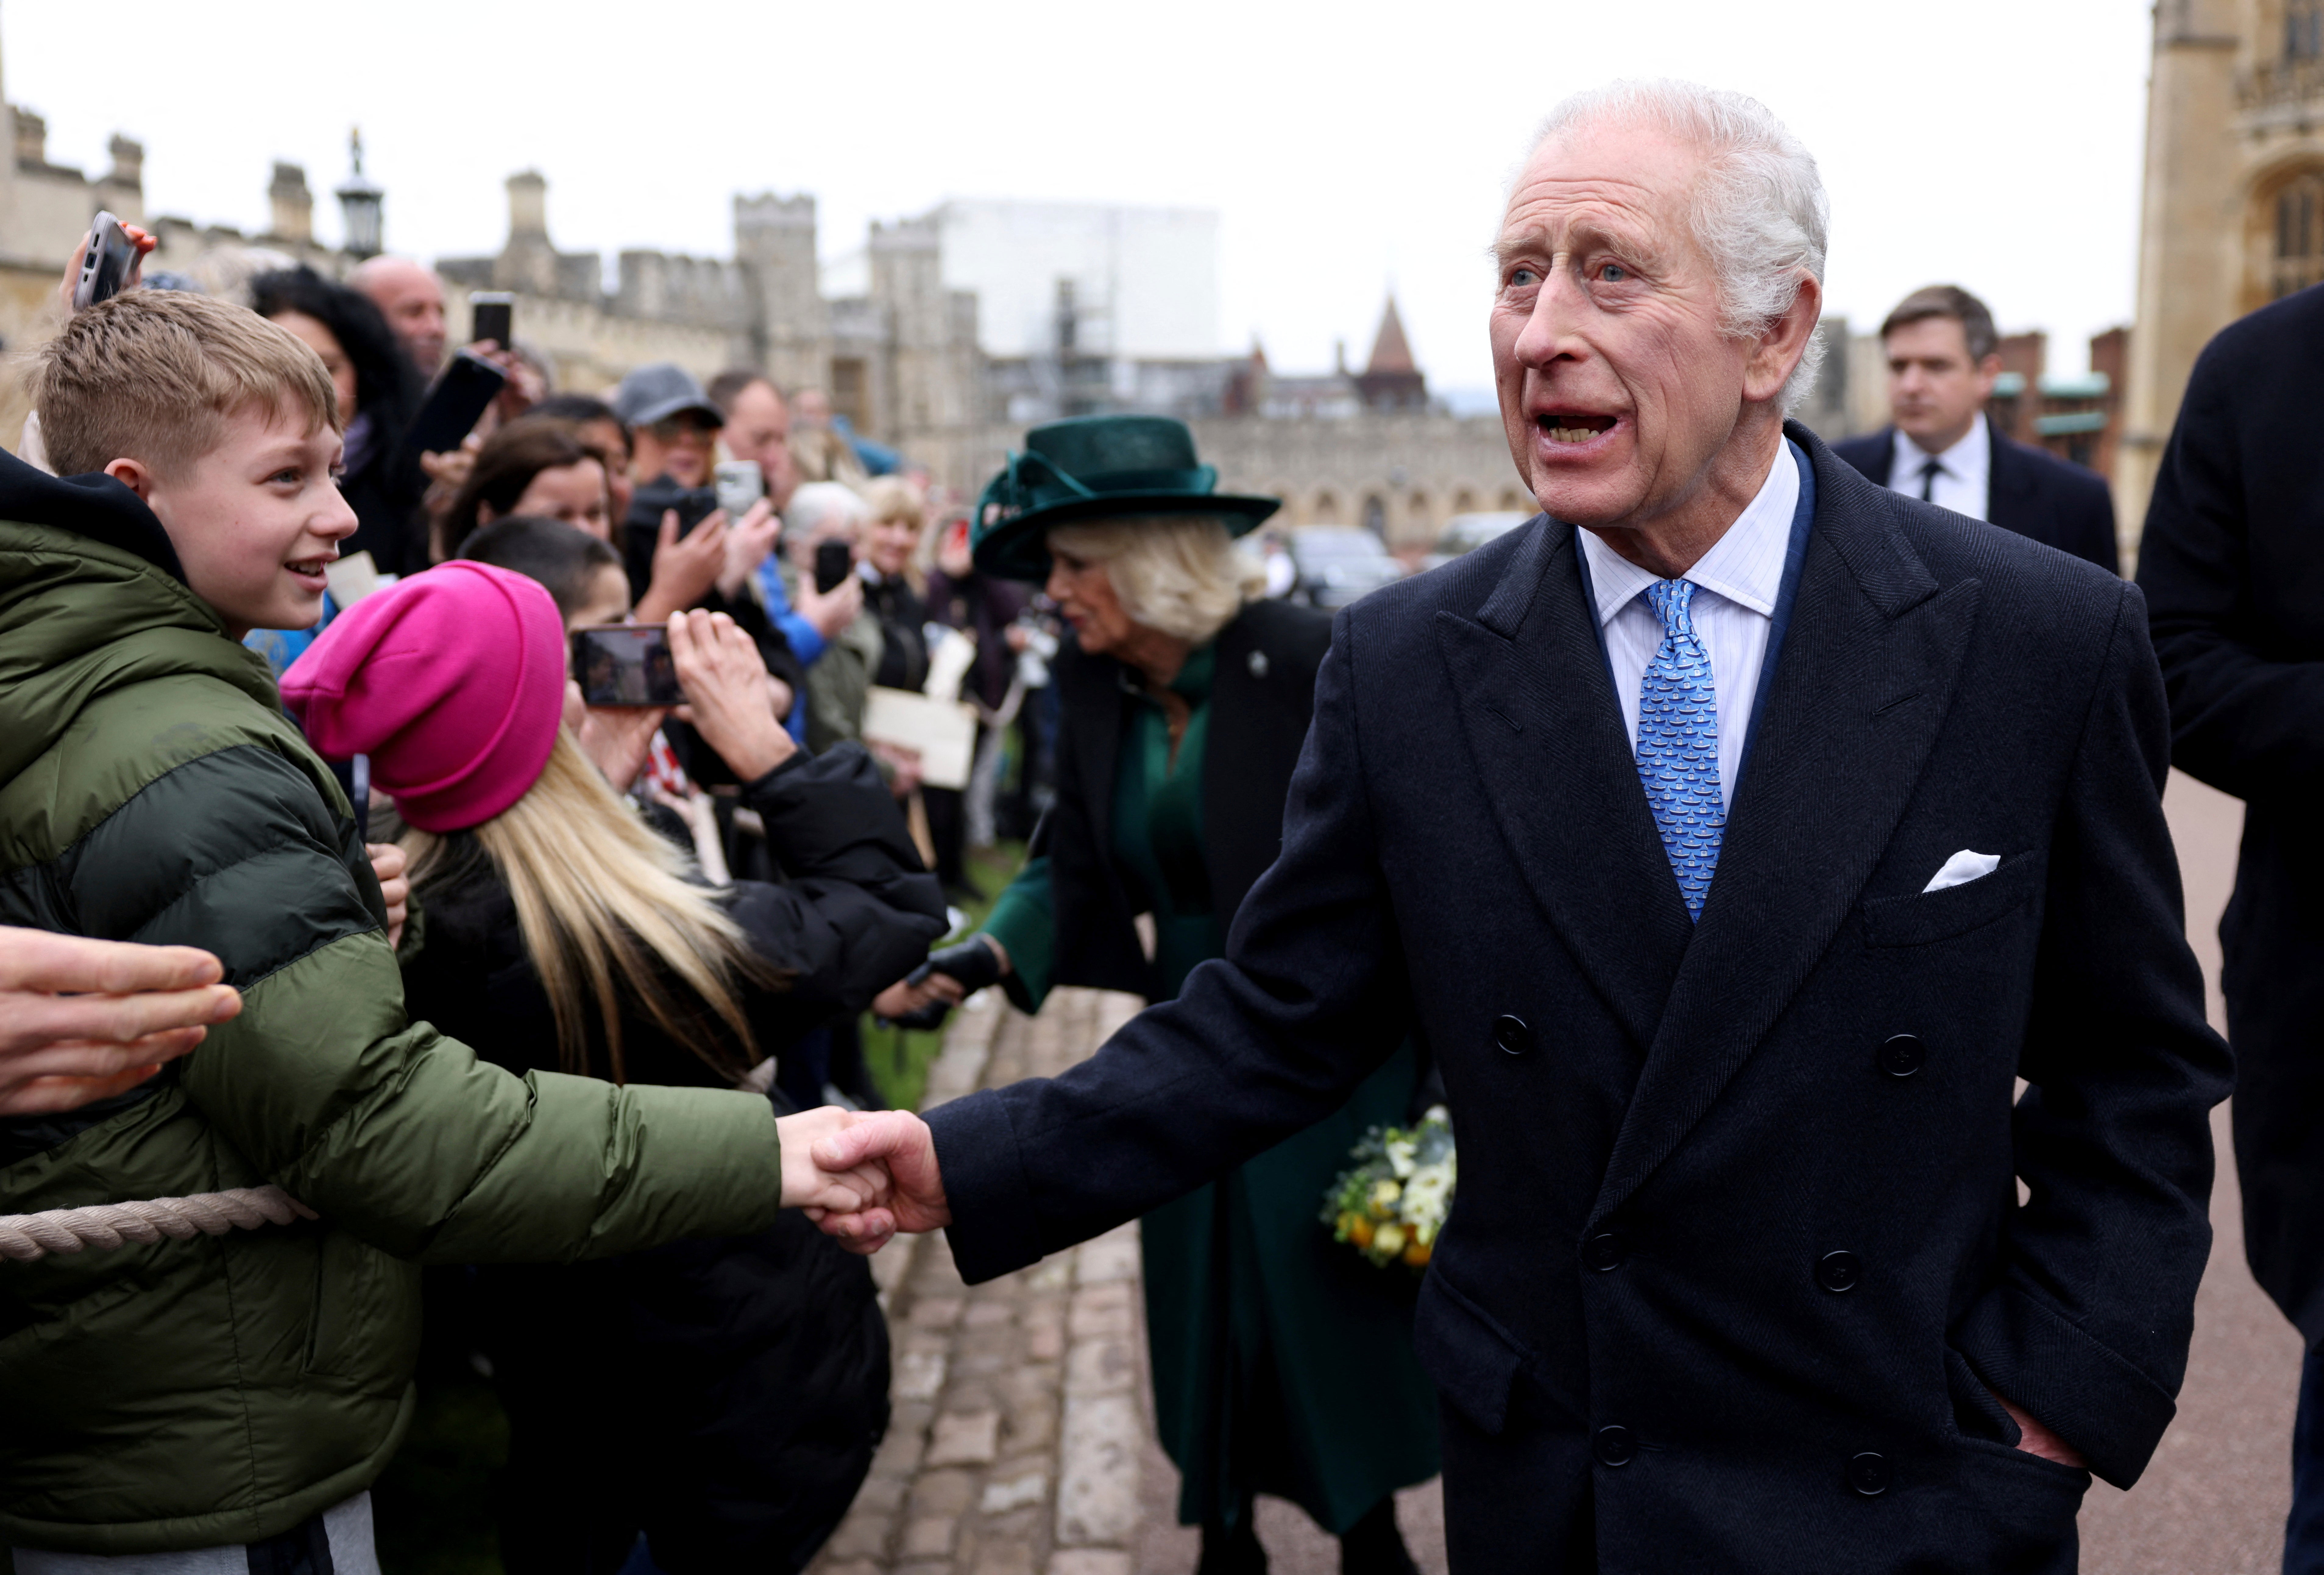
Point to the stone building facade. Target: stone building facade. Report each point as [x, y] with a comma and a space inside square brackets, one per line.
[2233, 205]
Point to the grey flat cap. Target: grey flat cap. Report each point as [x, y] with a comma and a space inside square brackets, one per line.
[660, 391]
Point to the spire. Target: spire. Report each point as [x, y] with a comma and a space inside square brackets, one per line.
[1391, 354]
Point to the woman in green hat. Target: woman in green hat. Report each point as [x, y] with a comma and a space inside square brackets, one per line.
[1283, 1362]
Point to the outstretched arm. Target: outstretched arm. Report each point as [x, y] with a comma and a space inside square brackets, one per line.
[1311, 998]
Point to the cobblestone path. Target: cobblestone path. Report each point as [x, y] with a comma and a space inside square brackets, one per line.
[1022, 1439]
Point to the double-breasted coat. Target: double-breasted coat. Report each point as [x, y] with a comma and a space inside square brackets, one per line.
[1738, 1256]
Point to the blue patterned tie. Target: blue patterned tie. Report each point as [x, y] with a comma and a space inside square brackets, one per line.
[1678, 745]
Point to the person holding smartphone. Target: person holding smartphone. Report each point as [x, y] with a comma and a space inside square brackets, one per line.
[722, 1395]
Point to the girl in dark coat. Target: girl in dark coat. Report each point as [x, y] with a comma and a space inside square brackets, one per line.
[1282, 1363]
[724, 1397]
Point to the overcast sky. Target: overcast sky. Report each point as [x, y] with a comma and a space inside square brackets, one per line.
[1347, 147]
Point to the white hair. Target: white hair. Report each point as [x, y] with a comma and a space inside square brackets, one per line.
[1759, 211]
[1177, 573]
[818, 506]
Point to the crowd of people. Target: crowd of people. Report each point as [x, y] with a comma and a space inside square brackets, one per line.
[1722, 849]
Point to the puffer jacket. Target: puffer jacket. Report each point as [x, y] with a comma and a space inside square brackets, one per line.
[223, 1389]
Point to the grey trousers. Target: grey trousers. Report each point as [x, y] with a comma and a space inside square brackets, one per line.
[338, 1542]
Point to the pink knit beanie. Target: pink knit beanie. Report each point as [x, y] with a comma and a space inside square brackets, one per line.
[452, 681]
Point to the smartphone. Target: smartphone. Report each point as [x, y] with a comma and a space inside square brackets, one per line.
[455, 405]
[834, 562]
[104, 268]
[626, 664]
[489, 316]
[694, 505]
[740, 485]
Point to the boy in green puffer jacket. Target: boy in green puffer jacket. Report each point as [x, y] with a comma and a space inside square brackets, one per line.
[245, 1390]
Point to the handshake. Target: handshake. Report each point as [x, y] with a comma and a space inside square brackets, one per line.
[862, 1176]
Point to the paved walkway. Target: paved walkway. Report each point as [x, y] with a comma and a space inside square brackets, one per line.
[1022, 1439]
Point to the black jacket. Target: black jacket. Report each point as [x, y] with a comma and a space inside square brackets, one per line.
[2028, 490]
[1737, 1245]
[2232, 563]
[1262, 690]
[724, 1396]
[856, 916]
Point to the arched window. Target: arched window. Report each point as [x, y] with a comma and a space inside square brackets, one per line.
[1325, 510]
[2299, 234]
[1464, 502]
[2303, 29]
[1376, 516]
[1513, 500]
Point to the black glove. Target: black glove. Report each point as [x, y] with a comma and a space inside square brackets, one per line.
[973, 962]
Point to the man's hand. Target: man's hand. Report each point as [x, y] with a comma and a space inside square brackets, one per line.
[827, 1192]
[83, 1019]
[2038, 1440]
[748, 543]
[685, 568]
[899, 1143]
[726, 682]
[829, 611]
[387, 863]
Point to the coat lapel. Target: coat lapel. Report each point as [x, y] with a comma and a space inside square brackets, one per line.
[1552, 757]
[1865, 678]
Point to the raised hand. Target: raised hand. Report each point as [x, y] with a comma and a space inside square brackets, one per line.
[899, 1143]
[726, 682]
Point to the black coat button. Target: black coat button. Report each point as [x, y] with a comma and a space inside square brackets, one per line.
[1867, 1473]
[1838, 1271]
[1903, 1055]
[1616, 1447]
[1602, 1251]
[1511, 1035]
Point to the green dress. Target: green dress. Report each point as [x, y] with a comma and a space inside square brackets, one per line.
[1283, 1361]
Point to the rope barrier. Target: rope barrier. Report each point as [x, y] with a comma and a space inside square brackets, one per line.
[27, 1237]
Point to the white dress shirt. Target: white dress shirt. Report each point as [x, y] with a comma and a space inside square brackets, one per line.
[1963, 473]
[1736, 584]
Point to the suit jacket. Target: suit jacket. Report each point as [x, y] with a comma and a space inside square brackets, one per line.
[2028, 490]
[1261, 692]
[2232, 563]
[1737, 1245]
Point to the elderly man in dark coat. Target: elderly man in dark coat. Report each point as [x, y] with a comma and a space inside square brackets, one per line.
[1736, 834]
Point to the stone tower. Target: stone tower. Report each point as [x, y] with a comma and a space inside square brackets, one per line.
[931, 378]
[774, 239]
[2187, 232]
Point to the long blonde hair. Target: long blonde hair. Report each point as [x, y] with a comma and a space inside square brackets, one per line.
[607, 913]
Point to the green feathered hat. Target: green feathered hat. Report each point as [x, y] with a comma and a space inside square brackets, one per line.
[1097, 467]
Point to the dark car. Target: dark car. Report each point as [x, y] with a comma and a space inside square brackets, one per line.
[1338, 563]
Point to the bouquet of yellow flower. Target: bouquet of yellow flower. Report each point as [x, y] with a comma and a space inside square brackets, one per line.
[1392, 1204]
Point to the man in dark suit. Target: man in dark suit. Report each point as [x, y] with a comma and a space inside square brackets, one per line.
[2232, 563]
[1735, 835]
[1942, 448]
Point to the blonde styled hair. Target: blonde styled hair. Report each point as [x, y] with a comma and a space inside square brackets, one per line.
[893, 499]
[154, 375]
[1177, 573]
[607, 913]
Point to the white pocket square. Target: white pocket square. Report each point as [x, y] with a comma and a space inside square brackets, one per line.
[1961, 869]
